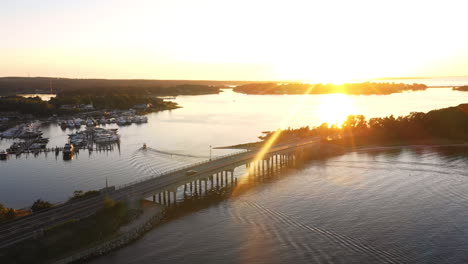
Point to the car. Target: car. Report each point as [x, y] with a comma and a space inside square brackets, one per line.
[191, 172]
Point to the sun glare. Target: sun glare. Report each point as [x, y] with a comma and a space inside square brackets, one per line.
[334, 108]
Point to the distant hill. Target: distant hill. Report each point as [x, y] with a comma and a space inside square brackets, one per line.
[18, 85]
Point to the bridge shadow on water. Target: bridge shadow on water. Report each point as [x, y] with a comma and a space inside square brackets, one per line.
[201, 197]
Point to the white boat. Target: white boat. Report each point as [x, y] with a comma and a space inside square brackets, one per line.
[10, 132]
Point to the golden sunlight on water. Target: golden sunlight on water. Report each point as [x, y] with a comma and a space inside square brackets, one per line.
[334, 108]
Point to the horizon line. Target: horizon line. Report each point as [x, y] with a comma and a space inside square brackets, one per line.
[231, 80]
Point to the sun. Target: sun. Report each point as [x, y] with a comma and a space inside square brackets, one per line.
[334, 108]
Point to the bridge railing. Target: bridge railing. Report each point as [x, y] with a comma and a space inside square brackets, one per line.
[179, 169]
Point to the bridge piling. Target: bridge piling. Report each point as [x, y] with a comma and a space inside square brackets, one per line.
[200, 188]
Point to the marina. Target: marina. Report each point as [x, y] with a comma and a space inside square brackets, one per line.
[120, 118]
[92, 138]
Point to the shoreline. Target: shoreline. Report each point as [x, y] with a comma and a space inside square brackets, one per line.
[383, 147]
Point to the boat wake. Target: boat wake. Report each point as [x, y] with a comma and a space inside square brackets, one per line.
[349, 243]
[177, 154]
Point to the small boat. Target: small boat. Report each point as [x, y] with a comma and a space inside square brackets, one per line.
[90, 123]
[144, 146]
[63, 124]
[3, 155]
[121, 122]
[78, 122]
[68, 151]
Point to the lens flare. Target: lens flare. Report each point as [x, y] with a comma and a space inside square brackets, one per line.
[334, 108]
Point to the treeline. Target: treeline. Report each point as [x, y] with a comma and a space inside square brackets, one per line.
[448, 124]
[112, 101]
[36, 106]
[24, 105]
[366, 88]
[22, 85]
[6, 213]
[184, 89]
[461, 88]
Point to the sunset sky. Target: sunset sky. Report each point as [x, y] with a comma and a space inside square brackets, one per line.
[233, 40]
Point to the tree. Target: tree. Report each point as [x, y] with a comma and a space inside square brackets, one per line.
[10, 214]
[39, 205]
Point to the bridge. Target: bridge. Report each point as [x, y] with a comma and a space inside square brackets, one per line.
[163, 188]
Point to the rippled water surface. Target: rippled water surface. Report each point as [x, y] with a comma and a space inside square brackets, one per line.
[394, 206]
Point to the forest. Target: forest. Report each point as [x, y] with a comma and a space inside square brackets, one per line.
[448, 125]
[461, 88]
[38, 107]
[365, 88]
[65, 86]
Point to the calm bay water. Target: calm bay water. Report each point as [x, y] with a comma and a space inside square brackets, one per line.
[402, 205]
[396, 206]
[217, 120]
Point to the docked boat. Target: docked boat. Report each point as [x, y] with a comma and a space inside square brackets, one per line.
[3, 155]
[71, 124]
[78, 122]
[121, 122]
[89, 123]
[10, 133]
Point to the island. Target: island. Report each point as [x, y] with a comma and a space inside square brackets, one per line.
[365, 88]
[461, 88]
